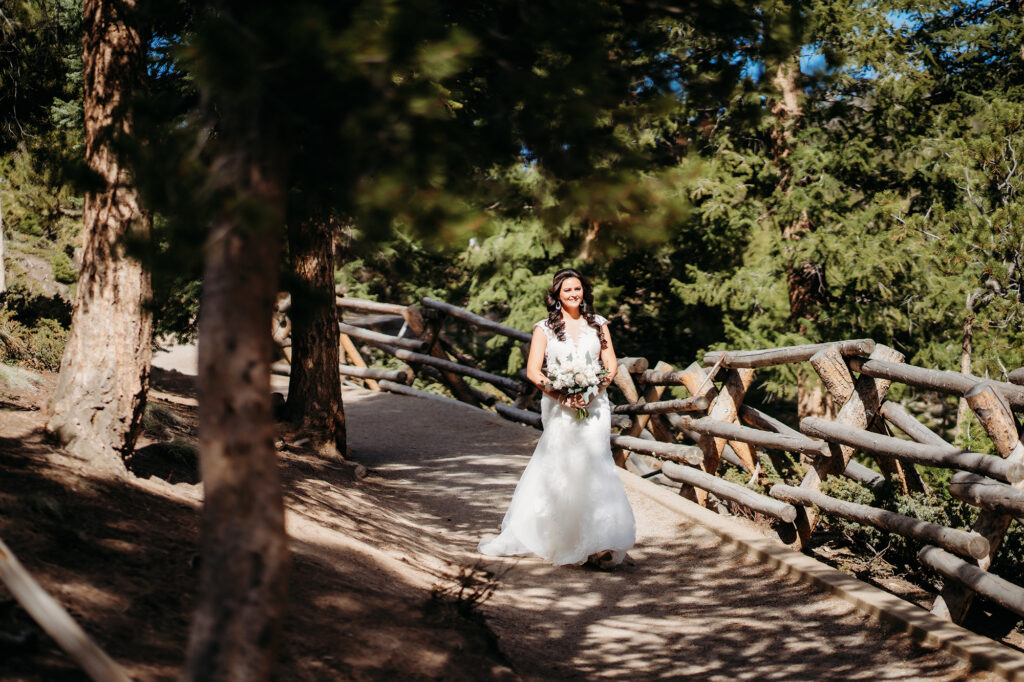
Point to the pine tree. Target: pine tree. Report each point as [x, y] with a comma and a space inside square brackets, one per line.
[98, 402]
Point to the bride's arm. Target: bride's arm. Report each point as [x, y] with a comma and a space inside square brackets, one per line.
[536, 359]
[608, 358]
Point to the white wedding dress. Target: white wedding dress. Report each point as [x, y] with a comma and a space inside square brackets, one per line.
[569, 503]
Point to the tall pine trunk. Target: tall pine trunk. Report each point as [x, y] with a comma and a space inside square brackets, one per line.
[242, 587]
[100, 395]
[314, 389]
[3, 261]
[805, 281]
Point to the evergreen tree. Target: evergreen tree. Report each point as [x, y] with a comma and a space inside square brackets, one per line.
[98, 402]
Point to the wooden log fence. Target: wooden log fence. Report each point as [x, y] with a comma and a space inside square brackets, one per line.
[378, 339]
[854, 470]
[953, 383]
[56, 621]
[454, 367]
[947, 457]
[664, 406]
[764, 439]
[730, 491]
[393, 375]
[778, 356]
[987, 493]
[974, 579]
[691, 435]
[959, 541]
[477, 320]
[996, 417]
[671, 452]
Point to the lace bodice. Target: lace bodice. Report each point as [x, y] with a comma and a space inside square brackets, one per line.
[588, 341]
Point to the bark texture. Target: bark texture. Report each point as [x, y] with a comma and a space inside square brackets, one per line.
[100, 395]
[314, 389]
[805, 281]
[242, 586]
[3, 261]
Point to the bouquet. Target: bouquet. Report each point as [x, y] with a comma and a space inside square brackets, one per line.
[577, 376]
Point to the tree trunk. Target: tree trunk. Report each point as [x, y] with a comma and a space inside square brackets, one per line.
[245, 556]
[3, 267]
[314, 388]
[805, 282]
[101, 392]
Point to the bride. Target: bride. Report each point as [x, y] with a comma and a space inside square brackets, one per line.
[569, 504]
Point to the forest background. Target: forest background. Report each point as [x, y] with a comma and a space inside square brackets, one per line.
[867, 184]
[730, 174]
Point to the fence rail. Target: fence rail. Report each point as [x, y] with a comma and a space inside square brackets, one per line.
[691, 436]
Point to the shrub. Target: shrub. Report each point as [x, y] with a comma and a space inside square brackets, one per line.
[46, 345]
[63, 269]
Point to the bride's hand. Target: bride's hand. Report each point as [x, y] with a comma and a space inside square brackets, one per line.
[572, 402]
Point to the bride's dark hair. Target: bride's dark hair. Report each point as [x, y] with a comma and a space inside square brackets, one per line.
[554, 306]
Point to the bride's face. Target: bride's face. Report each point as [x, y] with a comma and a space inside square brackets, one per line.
[571, 293]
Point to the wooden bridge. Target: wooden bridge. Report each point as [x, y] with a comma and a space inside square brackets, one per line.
[691, 437]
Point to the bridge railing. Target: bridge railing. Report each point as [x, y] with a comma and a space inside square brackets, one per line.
[692, 436]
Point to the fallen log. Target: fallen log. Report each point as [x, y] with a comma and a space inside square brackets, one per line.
[56, 621]
[943, 381]
[453, 367]
[784, 355]
[376, 338]
[477, 320]
[1001, 591]
[855, 471]
[960, 541]
[987, 493]
[867, 477]
[733, 492]
[664, 406]
[947, 456]
[673, 452]
[1017, 376]
[364, 306]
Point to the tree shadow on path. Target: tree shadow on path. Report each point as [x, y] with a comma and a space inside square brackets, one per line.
[688, 606]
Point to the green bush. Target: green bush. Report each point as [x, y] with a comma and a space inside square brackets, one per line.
[46, 345]
[63, 269]
[158, 420]
[937, 507]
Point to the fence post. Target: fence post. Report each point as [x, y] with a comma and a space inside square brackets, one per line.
[859, 408]
[997, 418]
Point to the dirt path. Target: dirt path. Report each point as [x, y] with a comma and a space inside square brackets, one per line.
[376, 563]
[686, 607]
